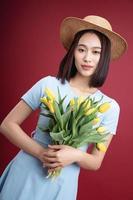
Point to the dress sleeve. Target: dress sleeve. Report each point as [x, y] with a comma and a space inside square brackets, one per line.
[33, 95]
[111, 117]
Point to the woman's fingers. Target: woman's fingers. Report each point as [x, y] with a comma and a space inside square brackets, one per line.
[49, 156]
[55, 146]
[50, 159]
[50, 153]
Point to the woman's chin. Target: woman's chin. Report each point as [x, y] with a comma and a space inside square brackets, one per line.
[86, 73]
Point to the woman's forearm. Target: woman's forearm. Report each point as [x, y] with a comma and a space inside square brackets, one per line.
[88, 161]
[93, 160]
[18, 137]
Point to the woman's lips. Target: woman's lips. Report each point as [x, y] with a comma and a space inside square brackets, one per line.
[86, 67]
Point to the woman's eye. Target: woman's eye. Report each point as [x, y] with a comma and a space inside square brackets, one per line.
[81, 50]
[96, 52]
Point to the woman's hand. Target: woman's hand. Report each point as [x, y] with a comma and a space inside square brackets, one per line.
[58, 156]
[45, 151]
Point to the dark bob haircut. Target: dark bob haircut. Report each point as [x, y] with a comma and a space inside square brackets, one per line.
[67, 68]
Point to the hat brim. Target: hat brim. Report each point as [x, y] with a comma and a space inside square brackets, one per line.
[71, 25]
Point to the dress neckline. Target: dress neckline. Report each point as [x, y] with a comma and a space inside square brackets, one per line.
[75, 94]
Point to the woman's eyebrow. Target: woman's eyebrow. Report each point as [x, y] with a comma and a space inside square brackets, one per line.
[95, 47]
[82, 45]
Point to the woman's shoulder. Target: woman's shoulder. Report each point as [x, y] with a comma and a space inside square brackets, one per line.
[113, 102]
[49, 79]
[33, 95]
[50, 82]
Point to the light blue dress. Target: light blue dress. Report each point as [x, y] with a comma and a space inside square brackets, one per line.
[25, 178]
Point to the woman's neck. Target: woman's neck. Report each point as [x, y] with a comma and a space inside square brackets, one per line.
[81, 84]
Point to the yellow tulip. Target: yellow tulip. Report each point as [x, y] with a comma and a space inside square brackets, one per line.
[48, 103]
[87, 105]
[80, 100]
[101, 129]
[104, 107]
[72, 102]
[50, 94]
[90, 111]
[44, 100]
[96, 120]
[101, 147]
[50, 106]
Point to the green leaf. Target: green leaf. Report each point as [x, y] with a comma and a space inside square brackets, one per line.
[90, 117]
[85, 128]
[65, 118]
[81, 121]
[60, 100]
[44, 107]
[56, 128]
[47, 115]
[83, 139]
[58, 114]
[59, 95]
[74, 128]
[80, 110]
[97, 102]
[57, 136]
[66, 139]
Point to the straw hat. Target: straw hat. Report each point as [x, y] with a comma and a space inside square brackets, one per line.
[71, 25]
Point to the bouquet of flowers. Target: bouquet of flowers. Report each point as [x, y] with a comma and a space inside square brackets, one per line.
[73, 124]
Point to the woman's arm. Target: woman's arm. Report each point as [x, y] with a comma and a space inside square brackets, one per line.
[11, 129]
[93, 160]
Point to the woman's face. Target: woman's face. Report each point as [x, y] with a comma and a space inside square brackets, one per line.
[87, 54]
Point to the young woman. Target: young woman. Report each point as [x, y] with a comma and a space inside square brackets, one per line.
[90, 44]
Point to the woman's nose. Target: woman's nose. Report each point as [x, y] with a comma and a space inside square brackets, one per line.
[88, 57]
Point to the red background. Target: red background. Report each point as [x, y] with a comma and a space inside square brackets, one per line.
[31, 49]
